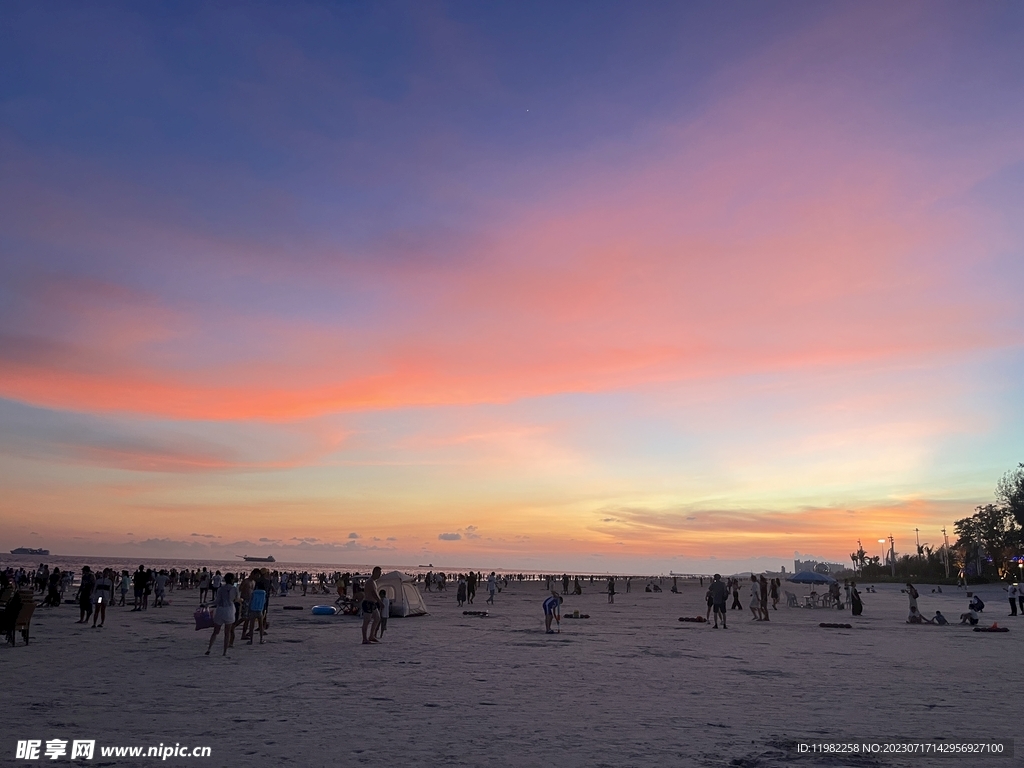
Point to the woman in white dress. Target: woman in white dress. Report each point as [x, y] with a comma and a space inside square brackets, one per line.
[224, 613]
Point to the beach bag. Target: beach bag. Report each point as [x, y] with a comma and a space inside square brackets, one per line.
[203, 617]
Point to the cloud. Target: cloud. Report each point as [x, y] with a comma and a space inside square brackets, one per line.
[470, 532]
[449, 536]
[202, 535]
[267, 541]
[353, 535]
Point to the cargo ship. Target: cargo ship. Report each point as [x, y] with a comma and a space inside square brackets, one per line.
[28, 551]
[249, 559]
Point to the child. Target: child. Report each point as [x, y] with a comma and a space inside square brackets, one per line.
[385, 610]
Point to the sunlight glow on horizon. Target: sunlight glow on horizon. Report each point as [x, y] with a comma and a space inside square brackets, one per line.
[743, 297]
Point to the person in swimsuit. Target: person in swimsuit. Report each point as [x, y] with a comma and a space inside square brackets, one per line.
[371, 607]
[224, 612]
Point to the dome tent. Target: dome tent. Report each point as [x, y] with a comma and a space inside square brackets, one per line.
[401, 591]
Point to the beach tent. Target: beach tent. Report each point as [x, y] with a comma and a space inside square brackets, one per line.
[401, 591]
[810, 577]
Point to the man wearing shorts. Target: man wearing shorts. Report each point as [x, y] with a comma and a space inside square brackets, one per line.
[551, 611]
[371, 607]
[719, 595]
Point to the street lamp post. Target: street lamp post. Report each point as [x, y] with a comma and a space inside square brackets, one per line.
[882, 542]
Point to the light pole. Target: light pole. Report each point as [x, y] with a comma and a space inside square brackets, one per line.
[945, 550]
[892, 554]
[882, 542]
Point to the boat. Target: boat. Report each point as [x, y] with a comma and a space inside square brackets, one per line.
[425, 566]
[250, 559]
[28, 551]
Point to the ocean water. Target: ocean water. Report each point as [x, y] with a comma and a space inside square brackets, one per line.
[75, 563]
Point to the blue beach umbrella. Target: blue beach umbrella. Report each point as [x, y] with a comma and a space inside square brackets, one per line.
[810, 577]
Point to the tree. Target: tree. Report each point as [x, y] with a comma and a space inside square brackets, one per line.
[1010, 492]
[991, 528]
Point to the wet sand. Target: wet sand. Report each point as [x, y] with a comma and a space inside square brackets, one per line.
[631, 686]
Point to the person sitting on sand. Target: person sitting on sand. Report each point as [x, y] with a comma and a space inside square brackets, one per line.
[552, 610]
[971, 617]
[915, 617]
[371, 607]
[940, 619]
[719, 597]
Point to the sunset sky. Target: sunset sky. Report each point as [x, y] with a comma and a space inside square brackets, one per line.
[595, 286]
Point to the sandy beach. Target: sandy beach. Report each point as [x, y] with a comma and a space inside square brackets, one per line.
[631, 686]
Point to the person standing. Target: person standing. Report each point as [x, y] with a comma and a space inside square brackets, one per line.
[611, 589]
[856, 606]
[139, 586]
[775, 594]
[460, 590]
[471, 587]
[565, 584]
[371, 607]
[492, 586]
[85, 594]
[719, 594]
[755, 598]
[1013, 592]
[736, 604]
[762, 582]
[204, 584]
[912, 595]
[103, 593]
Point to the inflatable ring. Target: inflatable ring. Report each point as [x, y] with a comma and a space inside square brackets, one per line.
[695, 619]
[324, 610]
[827, 625]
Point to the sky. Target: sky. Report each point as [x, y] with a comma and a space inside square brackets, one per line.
[595, 286]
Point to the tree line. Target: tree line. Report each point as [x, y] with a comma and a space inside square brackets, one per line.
[985, 545]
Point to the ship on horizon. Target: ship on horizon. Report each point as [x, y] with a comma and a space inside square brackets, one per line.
[29, 551]
[250, 559]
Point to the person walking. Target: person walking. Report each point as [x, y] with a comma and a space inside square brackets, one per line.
[1013, 592]
[224, 612]
[492, 586]
[371, 607]
[736, 604]
[755, 598]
